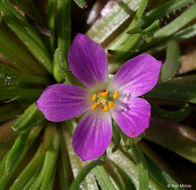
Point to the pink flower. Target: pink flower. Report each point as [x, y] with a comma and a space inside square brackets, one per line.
[102, 100]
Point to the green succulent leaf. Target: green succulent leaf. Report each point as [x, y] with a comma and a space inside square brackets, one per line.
[179, 115]
[28, 176]
[52, 4]
[27, 95]
[127, 180]
[60, 68]
[26, 33]
[172, 62]
[64, 25]
[103, 178]
[173, 136]
[176, 24]
[10, 110]
[76, 183]
[174, 91]
[12, 78]
[16, 151]
[161, 176]
[64, 168]
[139, 13]
[31, 117]
[49, 164]
[81, 3]
[142, 168]
[5, 177]
[162, 10]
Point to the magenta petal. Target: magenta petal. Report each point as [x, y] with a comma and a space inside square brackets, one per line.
[88, 61]
[92, 135]
[61, 102]
[134, 118]
[138, 75]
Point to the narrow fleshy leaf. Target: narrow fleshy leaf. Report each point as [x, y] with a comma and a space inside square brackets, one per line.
[64, 166]
[103, 178]
[52, 4]
[36, 162]
[135, 30]
[29, 170]
[48, 168]
[16, 151]
[4, 179]
[112, 19]
[50, 161]
[160, 175]
[174, 91]
[142, 168]
[127, 46]
[28, 95]
[33, 178]
[81, 3]
[113, 172]
[127, 180]
[174, 136]
[172, 62]
[124, 161]
[186, 33]
[149, 30]
[64, 26]
[9, 43]
[26, 33]
[10, 111]
[178, 115]
[178, 23]
[186, 79]
[31, 117]
[84, 171]
[12, 78]
[60, 66]
[139, 13]
[163, 10]
[153, 27]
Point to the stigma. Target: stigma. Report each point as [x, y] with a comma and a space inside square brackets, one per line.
[104, 100]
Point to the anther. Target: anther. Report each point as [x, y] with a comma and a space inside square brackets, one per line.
[94, 97]
[104, 93]
[94, 106]
[116, 94]
[111, 105]
[105, 108]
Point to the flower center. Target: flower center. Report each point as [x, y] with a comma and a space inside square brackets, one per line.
[104, 100]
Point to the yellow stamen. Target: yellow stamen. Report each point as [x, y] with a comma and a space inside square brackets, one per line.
[116, 94]
[111, 105]
[94, 97]
[105, 108]
[94, 106]
[104, 94]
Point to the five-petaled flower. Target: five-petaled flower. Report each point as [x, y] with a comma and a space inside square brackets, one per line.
[102, 100]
